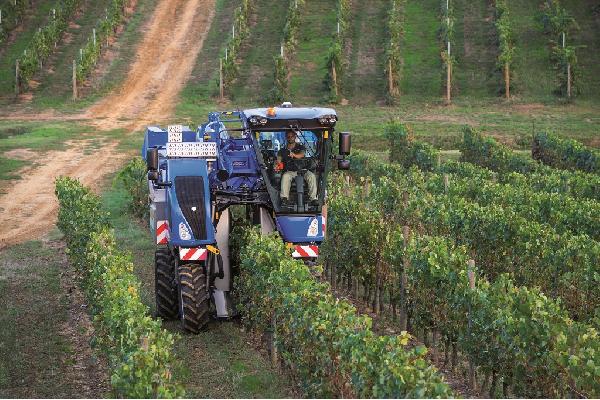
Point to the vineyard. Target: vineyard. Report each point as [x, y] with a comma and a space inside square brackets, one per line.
[454, 252]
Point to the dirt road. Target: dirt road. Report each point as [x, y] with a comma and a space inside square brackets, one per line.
[163, 64]
[173, 37]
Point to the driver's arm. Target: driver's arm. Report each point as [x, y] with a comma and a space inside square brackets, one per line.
[298, 152]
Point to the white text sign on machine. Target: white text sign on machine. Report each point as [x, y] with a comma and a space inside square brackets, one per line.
[175, 133]
[206, 150]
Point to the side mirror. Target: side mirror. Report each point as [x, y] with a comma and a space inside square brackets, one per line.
[152, 159]
[344, 165]
[345, 144]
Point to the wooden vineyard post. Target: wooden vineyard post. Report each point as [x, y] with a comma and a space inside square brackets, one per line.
[17, 78]
[74, 80]
[438, 161]
[507, 80]
[569, 80]
[274, 353]
[404, 282]
[334, 79]
[391, 78]
[471, 275]
[446, 183]
[449, 79]
[221, 88]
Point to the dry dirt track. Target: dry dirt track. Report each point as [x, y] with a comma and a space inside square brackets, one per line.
[173, 38]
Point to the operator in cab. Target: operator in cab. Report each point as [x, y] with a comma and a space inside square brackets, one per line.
[285, 162]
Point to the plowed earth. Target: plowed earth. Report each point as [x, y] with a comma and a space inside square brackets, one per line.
[173, 37]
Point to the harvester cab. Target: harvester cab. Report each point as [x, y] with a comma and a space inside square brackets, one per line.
[235, 158]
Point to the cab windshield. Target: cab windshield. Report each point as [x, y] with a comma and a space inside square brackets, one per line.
[293, 159]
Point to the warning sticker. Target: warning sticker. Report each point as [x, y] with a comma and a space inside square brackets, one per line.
[313, 229]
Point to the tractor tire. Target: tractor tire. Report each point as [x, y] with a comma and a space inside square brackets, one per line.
[165, 284]
[194, 298]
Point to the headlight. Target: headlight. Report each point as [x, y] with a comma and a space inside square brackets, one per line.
[328, 120]
[256, 120]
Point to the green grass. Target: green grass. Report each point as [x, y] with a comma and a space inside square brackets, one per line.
[34, 356]
[533, 76]
[309, 63]
[218, 363]
[365, 80]
[256, 69]
[40, 136]
[421, 76]
[476, 49]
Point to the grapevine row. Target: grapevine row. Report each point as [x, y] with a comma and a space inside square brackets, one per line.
[139, 351]
[44, 41]
[106, 28]
[503, 239]
[486, 152]
[394, 55]
[11, 16]
[563, 212]
[280, 91]
[565, 153]
[507, 331]
[239, 32]
[329, 347]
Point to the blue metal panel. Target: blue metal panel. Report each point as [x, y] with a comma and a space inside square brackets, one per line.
[295, 228]
[188, 167]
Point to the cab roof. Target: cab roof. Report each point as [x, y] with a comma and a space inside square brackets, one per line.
[285, 113]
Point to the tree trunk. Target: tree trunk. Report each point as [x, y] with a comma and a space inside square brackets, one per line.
[569, 80]
[507, 80]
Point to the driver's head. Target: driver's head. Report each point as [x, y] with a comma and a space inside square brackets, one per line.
[291, 137]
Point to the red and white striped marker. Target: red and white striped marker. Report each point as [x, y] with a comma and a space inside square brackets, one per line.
[324, 223]
[192, 254]
[162, 232]
[306, 251]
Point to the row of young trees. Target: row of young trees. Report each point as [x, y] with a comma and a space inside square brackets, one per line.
[44, 42]
[336, 64]
[394, 54]
[106, 27]
[11, 15]
[280, 90]
[239, 32]
[559, 24]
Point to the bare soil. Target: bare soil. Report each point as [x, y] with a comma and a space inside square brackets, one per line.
[173, 38]
[28, 210]
[164, 63]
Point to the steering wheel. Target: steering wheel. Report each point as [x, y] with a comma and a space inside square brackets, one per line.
[301, 164]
